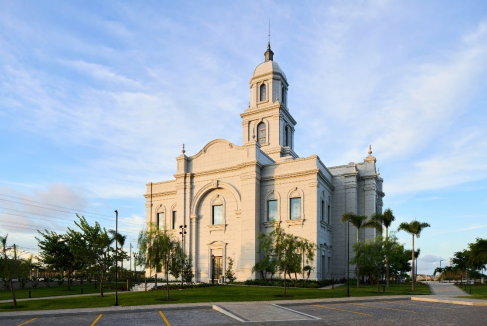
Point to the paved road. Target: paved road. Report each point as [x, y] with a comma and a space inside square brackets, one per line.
[376, 313]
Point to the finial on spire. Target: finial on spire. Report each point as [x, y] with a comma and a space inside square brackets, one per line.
[183, 151]
[269, 31]
[370, 149]
[269, 55]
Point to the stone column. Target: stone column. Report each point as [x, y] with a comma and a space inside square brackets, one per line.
[194, 245]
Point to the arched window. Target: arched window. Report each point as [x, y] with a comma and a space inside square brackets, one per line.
[261, 133]
[262, 92]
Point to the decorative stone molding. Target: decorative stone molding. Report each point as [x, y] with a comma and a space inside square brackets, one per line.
[217, 227]
[238, 213]
[313, 184]
[162, 194]
[211, 186]
[272, 195]
[295, 222]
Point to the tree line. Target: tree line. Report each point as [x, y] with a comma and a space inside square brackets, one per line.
[467, 262]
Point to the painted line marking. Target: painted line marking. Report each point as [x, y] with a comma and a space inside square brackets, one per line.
[419, 305]
[27, 321]
[164, 317]
[295, 311]
[229, 313]
[353, 312]
[96, 320]
[365, 305]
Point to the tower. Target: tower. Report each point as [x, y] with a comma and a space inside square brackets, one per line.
[267, 119]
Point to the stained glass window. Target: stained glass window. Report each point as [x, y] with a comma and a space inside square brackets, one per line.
[217, 214]
[262, 92]
[272, 210]
[174, 220]
[160, 220]
[261, 133]
[295, 208]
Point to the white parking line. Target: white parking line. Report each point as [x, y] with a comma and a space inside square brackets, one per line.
[297, 312]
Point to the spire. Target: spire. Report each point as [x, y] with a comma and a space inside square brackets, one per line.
[183, 151]
[269, 55]
[370, 158]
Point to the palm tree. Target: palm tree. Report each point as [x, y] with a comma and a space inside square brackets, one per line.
[3, 241]
[414, 228]
[119, 238]
[386, 220]
[359, 221]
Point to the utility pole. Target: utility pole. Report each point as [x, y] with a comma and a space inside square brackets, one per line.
[116, 258]
[348, 259]
[130, 255]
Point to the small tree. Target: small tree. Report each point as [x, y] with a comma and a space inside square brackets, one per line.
[230, 273]
[59, 251]
[92, 244]
[188, 270]
[267, 264]
[160, 249]
[371, 257]
[14, 268]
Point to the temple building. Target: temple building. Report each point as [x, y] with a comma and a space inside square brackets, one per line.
[227, 194]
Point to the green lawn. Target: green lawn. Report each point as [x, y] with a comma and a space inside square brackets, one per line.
[210, 294]
[478, 291]
[54, 291]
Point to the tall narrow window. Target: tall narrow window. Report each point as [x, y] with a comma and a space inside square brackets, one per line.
[174, 220]
[323, 212]
[328, 214]
[217, 214]
[295, 208]
[263, 92]
[160, 221]
[283, 96]
[271, 210]
[261, 133]
[328, 266]
[286, 136]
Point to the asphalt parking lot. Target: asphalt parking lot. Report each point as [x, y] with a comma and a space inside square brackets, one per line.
[375, 313]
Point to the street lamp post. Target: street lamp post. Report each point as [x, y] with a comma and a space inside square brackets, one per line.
[348, 259]
[183, 233]
[116, 258]
[136, 254]
[212, 269]
[440, 270]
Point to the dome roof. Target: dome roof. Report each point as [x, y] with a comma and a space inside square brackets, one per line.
[268, 67]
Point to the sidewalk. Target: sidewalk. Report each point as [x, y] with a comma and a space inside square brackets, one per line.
[448, 293]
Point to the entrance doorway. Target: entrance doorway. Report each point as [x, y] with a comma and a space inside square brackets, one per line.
[218, 268]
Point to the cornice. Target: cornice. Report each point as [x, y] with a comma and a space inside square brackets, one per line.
[255, 79]
[291, 175]
[161, 194]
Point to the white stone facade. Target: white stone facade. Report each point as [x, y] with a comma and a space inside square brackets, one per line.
[241, 180]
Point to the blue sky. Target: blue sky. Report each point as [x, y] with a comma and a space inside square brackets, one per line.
[96, 99]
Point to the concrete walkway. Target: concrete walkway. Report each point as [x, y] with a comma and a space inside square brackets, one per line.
[446, 289]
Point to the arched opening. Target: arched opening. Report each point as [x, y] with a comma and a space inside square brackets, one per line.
[261, 133]
[283, 95]
[263, 92]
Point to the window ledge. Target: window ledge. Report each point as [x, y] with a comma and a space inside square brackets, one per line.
[295, 222]
[325, 225]
[270, 224]
[217, 227]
